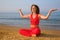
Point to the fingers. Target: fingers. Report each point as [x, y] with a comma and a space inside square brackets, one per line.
[53, 9]
[19, 9]
[56, 9]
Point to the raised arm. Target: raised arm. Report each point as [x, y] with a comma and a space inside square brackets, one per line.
[47, 16]
[22, 15]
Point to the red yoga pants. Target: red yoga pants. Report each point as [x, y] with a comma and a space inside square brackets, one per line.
[29, 32]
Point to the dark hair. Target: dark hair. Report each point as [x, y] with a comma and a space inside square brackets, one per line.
[37, 8]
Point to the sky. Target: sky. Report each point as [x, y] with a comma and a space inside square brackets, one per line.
[14, 5]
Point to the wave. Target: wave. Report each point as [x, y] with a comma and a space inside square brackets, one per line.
[28, 19]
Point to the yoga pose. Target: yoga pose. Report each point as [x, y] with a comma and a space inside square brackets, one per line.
[34, 17]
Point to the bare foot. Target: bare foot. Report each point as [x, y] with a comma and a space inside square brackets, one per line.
[33, 35]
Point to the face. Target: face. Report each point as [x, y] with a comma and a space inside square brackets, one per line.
[33, 9]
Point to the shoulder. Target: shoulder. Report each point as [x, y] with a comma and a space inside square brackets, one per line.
[39, 14]
[29, 15]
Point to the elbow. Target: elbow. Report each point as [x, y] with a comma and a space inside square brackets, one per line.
[45, 18]
[22, 16]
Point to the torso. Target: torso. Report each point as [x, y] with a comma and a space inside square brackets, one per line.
[34, 20]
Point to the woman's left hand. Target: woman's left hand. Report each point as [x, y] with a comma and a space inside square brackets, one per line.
[53, 10]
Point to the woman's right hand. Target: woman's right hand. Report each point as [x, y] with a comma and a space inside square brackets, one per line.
[20, 10]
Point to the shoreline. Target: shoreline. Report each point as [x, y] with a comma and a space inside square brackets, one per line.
[8, 32]
[43, 27]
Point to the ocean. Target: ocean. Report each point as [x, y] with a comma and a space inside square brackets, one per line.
[14, 19]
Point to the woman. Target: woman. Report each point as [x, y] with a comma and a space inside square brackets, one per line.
[35, 17]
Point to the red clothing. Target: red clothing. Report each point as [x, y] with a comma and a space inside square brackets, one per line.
[34, 21]
[29, 32]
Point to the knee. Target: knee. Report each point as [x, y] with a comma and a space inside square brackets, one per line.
[20, 31]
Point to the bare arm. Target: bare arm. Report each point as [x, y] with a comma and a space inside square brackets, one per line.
[47, 16]
[22, 15]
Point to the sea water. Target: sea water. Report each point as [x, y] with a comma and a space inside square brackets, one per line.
[14, 19]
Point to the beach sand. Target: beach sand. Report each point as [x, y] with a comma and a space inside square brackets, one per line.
[8, 32]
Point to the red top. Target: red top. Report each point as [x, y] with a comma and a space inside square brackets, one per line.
[34, 21]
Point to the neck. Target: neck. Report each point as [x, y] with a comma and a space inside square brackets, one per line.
[34, 13]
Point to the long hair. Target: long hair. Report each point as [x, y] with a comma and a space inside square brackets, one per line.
[37, 8]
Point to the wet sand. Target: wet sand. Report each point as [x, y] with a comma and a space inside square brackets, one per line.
[8, 32]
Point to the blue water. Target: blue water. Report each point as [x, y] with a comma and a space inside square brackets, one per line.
[14, 19]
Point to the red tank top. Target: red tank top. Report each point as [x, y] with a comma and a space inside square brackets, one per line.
[34, 21]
